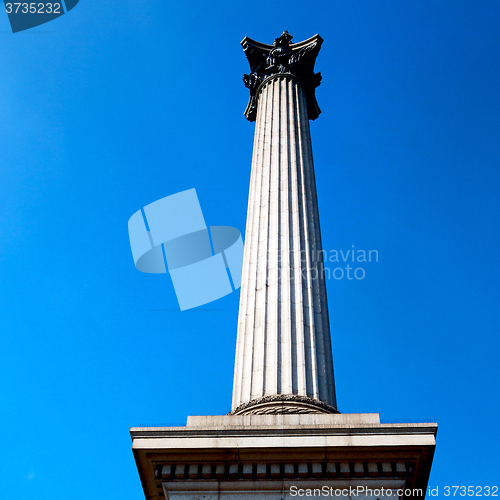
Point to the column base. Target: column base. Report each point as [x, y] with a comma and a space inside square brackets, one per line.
[283, 404]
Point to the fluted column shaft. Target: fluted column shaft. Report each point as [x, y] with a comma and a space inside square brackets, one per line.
[283, 343]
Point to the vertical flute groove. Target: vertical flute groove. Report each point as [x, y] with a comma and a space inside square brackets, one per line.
[283, 344]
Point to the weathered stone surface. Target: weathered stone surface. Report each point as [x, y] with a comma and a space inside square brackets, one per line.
[289, 470]
[193, 471]
[275, 470]
[386, 469]
[206, 471]
[359, 470]
[220, 471]
[223, 422]
[233, 471]
[261, 471]
[345, 470]
[166, 472]
[180, 471]
[317, 470]
[247, 470]
[400, 468]
[372, 469]
[303, 470]
[331, 469]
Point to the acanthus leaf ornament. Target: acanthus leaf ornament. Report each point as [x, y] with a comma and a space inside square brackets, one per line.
[282, 58]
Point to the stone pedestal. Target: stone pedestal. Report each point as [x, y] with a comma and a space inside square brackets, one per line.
[275, 456]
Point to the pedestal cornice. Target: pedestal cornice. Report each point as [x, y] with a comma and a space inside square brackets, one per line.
[265, 456]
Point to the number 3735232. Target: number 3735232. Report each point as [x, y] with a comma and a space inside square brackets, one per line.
[471, 491]
[33, 8]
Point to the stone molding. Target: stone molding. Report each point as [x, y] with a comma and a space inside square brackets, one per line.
[270, 471]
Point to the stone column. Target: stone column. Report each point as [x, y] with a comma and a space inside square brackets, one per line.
[283, 353]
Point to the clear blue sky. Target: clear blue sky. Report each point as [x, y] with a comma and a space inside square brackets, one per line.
[118, 104]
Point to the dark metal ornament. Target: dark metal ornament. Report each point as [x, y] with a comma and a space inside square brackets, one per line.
[286, 59]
